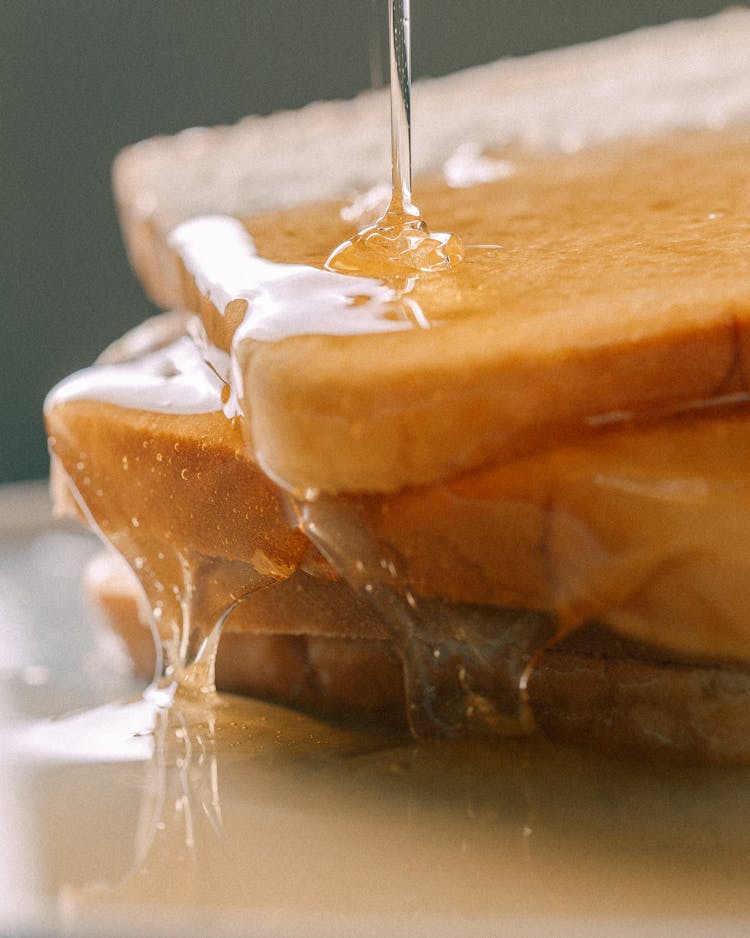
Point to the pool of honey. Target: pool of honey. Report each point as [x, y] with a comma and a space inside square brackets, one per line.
[119, 818]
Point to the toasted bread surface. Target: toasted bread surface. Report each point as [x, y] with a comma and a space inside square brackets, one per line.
[687, 74]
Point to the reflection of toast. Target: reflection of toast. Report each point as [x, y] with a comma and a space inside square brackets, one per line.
[559, 426]
[593, 689]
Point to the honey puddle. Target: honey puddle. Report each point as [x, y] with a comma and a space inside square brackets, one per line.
[260, 820]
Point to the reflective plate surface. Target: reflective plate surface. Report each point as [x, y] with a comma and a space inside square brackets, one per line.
[118, 819]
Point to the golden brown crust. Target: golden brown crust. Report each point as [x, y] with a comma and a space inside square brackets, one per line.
[184, 478]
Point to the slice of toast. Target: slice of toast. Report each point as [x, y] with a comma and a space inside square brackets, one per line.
[553, 100]
[645, 529]
[619, 285]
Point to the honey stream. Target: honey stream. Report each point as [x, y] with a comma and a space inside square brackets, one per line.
[399, 244]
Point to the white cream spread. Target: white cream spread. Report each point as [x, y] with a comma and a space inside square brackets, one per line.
[283, 299]
[175, 379]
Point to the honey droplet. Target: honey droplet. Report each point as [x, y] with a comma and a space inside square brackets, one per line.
[398, 245]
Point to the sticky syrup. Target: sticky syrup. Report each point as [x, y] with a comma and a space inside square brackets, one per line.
[248, 813]
[399, 243]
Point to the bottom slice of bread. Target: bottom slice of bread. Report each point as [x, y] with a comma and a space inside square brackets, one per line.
[593, 689]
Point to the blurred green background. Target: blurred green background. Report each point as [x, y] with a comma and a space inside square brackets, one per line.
[80, 79]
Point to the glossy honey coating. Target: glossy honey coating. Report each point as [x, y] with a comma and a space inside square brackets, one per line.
[183, 479]
[144, 453]
[198, 522]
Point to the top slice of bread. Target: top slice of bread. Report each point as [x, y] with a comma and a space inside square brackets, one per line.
[635, 291]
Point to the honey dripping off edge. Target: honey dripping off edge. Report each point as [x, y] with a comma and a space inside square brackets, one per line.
[397, 249]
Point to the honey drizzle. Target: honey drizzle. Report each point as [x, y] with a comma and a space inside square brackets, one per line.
[458, 673]
[399, 29]
[399, 244]
[465, 666]
[190, 595]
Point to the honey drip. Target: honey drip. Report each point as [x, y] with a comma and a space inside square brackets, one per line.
[190, 596]
[465, 667]
[399, 244]
[189, 624]
[191, 590]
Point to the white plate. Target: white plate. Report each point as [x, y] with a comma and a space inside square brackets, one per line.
[261, 822]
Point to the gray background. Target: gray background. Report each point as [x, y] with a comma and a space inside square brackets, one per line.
[79, 79]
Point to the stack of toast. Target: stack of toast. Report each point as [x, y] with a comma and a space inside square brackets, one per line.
[511, 495]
